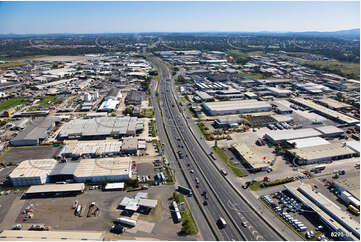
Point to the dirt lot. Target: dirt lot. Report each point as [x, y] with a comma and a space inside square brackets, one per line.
[58, 213]
[18, 154]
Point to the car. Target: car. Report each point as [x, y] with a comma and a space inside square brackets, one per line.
[244, 224]
[205, 203]
[319, 228]
[192, 171]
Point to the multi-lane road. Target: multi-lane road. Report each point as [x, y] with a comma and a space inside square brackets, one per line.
[223, 201]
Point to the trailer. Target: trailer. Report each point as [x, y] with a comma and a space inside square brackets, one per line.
[125, 221]
[176, 210]
[185, 190]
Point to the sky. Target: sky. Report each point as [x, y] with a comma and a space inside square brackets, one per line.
[124, 17]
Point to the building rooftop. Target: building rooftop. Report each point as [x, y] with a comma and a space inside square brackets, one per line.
[239, 104]
[354, 145]
[308, 142]
[327, 111]
[322, 151]
[279, 135]
[73, 187]
[28, 235]
[334, 104]
[330, 129]
[252, 158]
[114, 185]
[103, 167]
[33, 168]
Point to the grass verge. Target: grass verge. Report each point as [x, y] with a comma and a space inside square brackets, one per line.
[12, 102]
[224, 157]
[189, 226]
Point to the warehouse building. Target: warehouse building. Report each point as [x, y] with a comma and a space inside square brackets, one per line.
[108, 106]
[277, 92]
[29, 235]
[330, 131]
[236, 107]
[63, 172]
[203, 96]
[100, 128]
[279, 136]
[326, 112]
[114, 94]
[103, 170]
[329, 213]
[333, 104]
[91, 149]
[50, 190]
[32, 172]
[133, 98]
[252, 160]
[36, 132]
[354, 145]
[308, 142]
[321, 153]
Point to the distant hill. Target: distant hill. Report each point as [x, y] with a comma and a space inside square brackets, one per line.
[351, 34]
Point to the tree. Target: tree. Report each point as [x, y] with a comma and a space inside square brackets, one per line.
[128, 110]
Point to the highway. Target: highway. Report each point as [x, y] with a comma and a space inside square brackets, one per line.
[242, 222]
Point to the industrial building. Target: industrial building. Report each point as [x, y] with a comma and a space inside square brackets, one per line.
[236, 107]
[102, 170]
[32, 172]
[330, 131]
[49, 190]
[227, 123]
[354, 145]
[130, 146]
[102, 127]
[308, 142]
[329, 213]
[114, 94]
[63, 172]
[139, 203]
[108, 106]
[321, 153]
[277, 92]
[29, 235]
[252, 160]
[36, 132]
[91, 149]
[114, 186]
[133, 98]
[278, 136]
[333, 104]
[203, 96]
[326, 112]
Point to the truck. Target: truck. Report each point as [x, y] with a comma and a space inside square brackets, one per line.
[176, 210]
[221, 222]
[185, 191]
[318, 168]
[126, 221]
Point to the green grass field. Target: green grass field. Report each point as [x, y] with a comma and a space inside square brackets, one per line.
[46, 100]
[13, 102]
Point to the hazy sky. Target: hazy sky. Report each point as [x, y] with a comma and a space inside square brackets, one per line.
[103, 17]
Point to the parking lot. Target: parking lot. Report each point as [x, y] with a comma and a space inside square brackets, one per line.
[59, 214]
[293, 213]
[18, 154]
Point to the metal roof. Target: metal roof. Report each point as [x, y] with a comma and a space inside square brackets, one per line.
[307, 142]
[329, 129]
[73, 187]
[33, 168]
[280, 135]
[28, 235]
[149, 203]
[115, 185]
[67, 168]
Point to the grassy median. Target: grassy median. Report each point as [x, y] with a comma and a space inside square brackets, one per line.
[224, 157]
[189, 226]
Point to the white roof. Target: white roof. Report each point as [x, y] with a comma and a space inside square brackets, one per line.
[280, 135]
[150, 203]
[307, 142]
[103, 167]
[115, 185]
[329, 129]
[33, 168]
[235, 105]
[355, 145]
[56, 188]
[28, 235]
